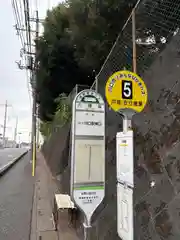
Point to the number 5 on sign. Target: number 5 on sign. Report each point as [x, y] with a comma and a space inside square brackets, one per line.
[127, 90]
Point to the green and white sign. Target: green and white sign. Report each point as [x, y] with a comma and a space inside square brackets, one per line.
[88, 152]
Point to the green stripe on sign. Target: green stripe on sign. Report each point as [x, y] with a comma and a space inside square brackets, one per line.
[90, 188]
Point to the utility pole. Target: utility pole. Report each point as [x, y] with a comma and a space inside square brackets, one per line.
[134, 40]
[15, 130]
[19, 134]
[5, 122]
[34, 108]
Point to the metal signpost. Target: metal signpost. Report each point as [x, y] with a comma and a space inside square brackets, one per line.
[126, 93]
[88, 152]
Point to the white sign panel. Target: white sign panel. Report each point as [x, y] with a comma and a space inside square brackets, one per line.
[125, 164]
[89, 166]
[88, 152]
[88, 199]
[89, 123]
[125, 212]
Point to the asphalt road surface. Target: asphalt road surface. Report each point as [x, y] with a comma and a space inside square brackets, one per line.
[16, 193]
[9, 154]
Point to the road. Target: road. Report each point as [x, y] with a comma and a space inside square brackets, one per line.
[16, 193]
[8, 154]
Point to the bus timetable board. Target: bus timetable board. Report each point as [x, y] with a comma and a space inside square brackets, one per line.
[88, 152]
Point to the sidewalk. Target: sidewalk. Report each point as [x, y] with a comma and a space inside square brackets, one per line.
[43, 227]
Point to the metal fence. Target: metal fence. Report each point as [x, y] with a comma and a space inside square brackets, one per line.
[156, 23]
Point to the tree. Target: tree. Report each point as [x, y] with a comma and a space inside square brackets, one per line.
[94, 28]
[77, 37]
[58, 70]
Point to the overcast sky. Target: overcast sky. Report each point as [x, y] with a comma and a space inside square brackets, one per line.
[13, 81]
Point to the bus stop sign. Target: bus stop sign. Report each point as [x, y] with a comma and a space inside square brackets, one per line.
[88, 152]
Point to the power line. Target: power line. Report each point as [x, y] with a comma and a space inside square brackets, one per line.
[27, 25]
[21, 22]
[17, 21]
[21, 9]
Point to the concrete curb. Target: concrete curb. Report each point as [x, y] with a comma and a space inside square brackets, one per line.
[11, 163]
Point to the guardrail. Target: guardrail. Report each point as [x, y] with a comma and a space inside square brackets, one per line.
[11, 163]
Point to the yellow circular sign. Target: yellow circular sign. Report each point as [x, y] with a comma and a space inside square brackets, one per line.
[126, 90]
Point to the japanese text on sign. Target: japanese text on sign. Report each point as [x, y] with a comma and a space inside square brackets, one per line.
[126, 103]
